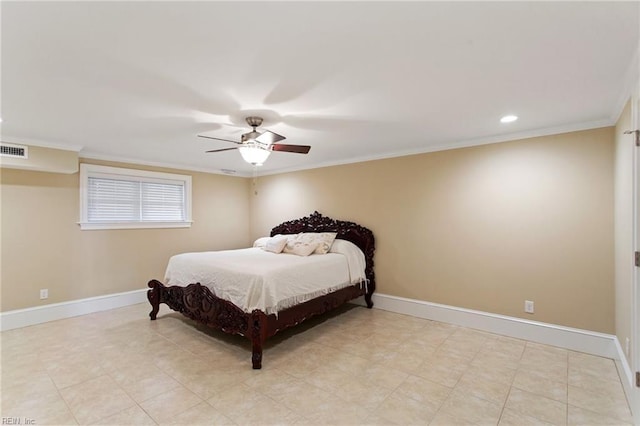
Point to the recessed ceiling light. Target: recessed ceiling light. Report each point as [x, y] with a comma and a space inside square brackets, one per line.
[508, 118]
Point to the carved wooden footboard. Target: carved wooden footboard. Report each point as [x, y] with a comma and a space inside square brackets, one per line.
[198, 303]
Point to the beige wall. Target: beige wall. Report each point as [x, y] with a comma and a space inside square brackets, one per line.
[623, 192]
[483, 228]
[43, 246]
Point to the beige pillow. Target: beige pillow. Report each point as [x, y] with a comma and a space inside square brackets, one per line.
[323, 240]
[299, 247]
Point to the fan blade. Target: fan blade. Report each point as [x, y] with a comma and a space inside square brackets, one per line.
[268, 137]
[219, 139]
[223, 149]
[298, 149]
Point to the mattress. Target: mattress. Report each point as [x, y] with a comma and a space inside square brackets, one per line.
[256, 279]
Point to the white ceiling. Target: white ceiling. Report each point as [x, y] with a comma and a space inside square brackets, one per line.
[137, 81]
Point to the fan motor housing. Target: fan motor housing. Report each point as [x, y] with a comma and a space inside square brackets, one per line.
[254, 121]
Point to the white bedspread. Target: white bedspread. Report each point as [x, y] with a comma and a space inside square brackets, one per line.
[256, 279]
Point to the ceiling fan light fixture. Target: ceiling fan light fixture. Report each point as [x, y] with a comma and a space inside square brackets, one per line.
[254, 155]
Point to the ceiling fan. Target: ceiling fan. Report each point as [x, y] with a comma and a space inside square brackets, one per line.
[255, 147]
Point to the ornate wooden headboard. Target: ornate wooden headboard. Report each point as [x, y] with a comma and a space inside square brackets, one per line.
[350, 231]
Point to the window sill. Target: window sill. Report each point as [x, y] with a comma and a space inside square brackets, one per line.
[84, 226]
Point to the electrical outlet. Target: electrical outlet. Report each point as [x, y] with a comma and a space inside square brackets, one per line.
[528, 306]
[44, 293]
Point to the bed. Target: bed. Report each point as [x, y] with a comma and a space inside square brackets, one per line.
[257, 321]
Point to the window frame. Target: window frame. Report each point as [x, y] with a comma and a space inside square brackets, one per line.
[137, 175]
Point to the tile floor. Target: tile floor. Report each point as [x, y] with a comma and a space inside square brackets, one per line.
[359, 366]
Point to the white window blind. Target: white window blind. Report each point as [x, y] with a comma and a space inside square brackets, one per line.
[123, 198]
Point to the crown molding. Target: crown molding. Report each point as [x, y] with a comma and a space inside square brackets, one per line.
[444, 146]
[175, 166]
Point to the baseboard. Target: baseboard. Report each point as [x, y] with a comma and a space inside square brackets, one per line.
[37, 315]
[575, 339]
[627, 378]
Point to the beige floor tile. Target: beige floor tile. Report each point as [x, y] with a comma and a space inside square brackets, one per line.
[130, 416]
[265, 412]
[408, 362]
[490, 358]
[432, 336]
[483, 388]
[73, 369]
[508, 345]
[328, 378]
[513, 418]
[337, 412]
[245, 405]
[360, 349]
[42, 410]
[272, 381]
[143, 382]
[605, 404]
[591, 380]
[357, 367]
[305, 399]
[362, 393]
[96, 399]
[20, 388]
[461, 408]
[299, 365]
[498, 373]
[442, 369]
[405, 411]
[550, 369]
[540, 385]
[376, 419]
[423, 390]
[376, 374]
[114, 359]
[164, 406]
[211, 383]
[553, 350]
[603, 368]
[459, 350]
[201, 414]
[347, 363]
[581, 417]
[21, 358]
[236, 398]
[537, 406]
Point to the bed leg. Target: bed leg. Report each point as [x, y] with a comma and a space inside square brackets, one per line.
[258, 330]
[367, 299]
[153, 295]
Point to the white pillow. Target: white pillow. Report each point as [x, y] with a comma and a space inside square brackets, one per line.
[355, 259]
[261, 242]
[276, 244]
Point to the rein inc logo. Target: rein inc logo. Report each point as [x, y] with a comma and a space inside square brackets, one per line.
[18, 421]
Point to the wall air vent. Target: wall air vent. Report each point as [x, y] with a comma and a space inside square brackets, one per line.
[15, 151]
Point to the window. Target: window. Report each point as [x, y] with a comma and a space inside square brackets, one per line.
[116, 198]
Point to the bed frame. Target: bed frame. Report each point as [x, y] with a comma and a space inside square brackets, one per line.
[198, 303]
